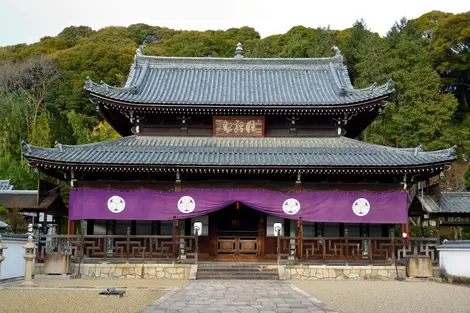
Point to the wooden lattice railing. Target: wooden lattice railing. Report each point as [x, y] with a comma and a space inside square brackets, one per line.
[120, 247]
[355, 250]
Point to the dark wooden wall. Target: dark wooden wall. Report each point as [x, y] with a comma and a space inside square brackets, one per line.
[275, 126]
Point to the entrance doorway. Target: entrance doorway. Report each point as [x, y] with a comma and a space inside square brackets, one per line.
[236, 230]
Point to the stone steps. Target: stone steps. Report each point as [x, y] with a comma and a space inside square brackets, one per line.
[236, 271]
[233, 270]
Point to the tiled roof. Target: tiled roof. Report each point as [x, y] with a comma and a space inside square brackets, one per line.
[239, 81]
[455, 244]
[5, 185]
[216, 151]
[455, 202]
[447, 202]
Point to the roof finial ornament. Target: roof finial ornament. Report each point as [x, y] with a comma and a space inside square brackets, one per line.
[418, 149]
[373, 87]
[25, 145]
[88, 82]
[453, 151]
[390, 84]
[58, 146]
[239, 51]
[336, 50]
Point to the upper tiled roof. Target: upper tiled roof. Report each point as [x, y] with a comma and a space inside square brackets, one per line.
[5, 185]
[216, 151]
[448, 202]
[238, 81]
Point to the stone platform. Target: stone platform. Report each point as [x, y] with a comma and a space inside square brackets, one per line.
[249, 296]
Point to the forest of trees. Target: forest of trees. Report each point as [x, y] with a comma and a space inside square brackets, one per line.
[42, 98]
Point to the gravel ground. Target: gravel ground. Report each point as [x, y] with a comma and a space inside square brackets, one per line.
[73, 295]
[389, 296]
[129, 283]
[77, 301]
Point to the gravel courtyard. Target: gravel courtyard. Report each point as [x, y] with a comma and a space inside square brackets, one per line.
[82, 295]
[389, 296]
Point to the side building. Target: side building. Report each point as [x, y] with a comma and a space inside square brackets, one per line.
[241, 145]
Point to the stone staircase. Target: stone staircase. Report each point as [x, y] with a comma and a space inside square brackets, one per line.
[244, 271]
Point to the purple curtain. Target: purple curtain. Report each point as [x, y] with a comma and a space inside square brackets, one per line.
[331, 206]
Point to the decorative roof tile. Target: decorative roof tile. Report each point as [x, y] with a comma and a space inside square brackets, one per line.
[238, 152]
[5, 185]
[238, 81]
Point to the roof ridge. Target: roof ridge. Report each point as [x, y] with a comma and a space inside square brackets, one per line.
[322, 60]
[59, 146]
[416, 150]
[456, 193]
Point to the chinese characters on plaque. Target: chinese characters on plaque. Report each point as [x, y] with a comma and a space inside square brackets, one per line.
[238, 127]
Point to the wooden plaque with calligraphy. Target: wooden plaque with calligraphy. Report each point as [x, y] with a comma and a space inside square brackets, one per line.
[238, 126]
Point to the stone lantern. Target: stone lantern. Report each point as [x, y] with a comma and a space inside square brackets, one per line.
[2, 258]
[29, 257]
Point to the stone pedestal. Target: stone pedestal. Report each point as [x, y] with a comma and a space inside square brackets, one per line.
[57, 263]
[29, 257]
[419, 267]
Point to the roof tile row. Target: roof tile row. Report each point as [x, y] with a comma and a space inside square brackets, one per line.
[216, 151]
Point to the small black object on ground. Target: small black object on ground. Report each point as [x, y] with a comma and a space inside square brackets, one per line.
[113, 292]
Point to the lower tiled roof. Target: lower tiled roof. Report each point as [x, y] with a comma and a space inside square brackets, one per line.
[448, 203]
[216, 151]
[455, 202]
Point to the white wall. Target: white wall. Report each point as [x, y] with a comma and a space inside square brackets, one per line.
[14, 264]
[455, 262]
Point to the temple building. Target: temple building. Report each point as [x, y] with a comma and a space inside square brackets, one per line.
[243, 149]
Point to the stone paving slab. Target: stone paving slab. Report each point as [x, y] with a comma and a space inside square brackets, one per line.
[244, 296]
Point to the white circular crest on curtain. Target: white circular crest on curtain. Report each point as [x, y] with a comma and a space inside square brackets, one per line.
[116, 204]
[291, 206]
[361, 207]
[186, 204]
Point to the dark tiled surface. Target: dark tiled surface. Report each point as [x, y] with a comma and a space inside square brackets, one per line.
[455, 202]
[246, 81]
[213, 151]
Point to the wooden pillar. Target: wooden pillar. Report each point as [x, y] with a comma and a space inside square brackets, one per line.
[299, 235]
[299, 231]
[175, 237]
[212, 234]
[261, 233]
[70, 227]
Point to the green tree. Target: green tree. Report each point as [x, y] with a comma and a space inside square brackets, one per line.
[419, 113]
[450, 46]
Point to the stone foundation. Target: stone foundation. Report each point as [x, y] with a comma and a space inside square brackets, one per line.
[314, 272]
[121, 271]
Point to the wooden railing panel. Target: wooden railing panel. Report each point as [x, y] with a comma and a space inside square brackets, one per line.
[120, 247]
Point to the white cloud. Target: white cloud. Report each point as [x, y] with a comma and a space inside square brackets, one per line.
[29, 20]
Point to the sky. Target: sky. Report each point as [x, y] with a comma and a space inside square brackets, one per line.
[26, 21]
